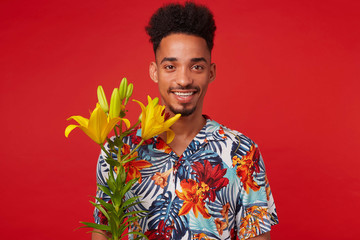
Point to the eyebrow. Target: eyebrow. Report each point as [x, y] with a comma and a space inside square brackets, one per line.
[170, 59]
[200, 59]
[173, 59]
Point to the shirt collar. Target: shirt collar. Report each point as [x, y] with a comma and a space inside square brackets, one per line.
[212, 131]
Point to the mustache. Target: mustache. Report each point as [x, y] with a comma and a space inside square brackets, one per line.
[190, 87]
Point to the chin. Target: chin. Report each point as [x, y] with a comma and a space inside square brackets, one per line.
[184, 112]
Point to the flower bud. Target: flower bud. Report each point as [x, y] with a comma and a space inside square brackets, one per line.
[102, 99]
[115, 104]
[129, 92]
[122, 89]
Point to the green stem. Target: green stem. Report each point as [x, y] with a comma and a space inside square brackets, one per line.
[132, 127]
[128, 155]
[107, 153]
[116, 134]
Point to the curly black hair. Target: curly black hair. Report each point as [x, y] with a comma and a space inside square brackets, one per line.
[176, 18]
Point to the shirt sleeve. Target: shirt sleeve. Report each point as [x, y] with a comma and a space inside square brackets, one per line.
[257, 212]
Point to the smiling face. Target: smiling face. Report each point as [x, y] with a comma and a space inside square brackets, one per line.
[183, 72]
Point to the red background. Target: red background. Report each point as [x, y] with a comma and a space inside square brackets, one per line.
[288, 77]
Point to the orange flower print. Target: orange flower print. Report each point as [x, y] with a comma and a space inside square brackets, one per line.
[201, 236]
[161, 232]
[220, 226]
[212, 177]
[161, 145]
[246, 166]
[133, 167]
[126, 150]
[235, 160]
[193, 196]
[247, 179]
[161, 178]
[221, 132]
[225, 212]
[250, 224]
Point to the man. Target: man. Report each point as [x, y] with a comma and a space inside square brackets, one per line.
[210, 181]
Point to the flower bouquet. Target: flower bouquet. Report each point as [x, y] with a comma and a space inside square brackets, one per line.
[103, 119]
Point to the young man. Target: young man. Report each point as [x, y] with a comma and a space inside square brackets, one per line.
[210, 181]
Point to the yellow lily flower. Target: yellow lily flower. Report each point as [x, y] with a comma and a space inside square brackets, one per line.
[154, 122]
[98, 126]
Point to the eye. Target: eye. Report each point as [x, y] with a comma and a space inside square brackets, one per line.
[169, 67]
[197, 67]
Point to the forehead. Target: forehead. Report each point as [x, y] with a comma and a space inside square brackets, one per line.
[182, 46]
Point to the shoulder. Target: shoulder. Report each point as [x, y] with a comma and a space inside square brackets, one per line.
[238, 140]
[237, 136]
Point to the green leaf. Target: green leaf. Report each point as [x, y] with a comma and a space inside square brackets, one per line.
[112, 163]
[106, 205]
[118, 142]
[111, 143]
[131, 219]
[111, 181]
[128, 160]
[117, 198]
[101, 209]
[137, 233]
[121, 177]
[105, 189]
[134, 212]
[130, 201]
[132, 204]
[96, 226]
[128, 186]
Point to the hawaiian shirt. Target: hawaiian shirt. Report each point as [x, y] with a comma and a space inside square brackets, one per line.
[217, 189]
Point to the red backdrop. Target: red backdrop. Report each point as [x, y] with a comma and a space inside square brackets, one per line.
[288, 74]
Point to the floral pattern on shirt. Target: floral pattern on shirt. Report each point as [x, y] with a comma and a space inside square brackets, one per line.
[217, 189]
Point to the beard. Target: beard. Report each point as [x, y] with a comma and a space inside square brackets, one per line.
[184, 112]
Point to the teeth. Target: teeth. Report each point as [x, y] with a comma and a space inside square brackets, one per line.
[183, 94]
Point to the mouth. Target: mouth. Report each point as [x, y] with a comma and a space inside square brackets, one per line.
[184, 95]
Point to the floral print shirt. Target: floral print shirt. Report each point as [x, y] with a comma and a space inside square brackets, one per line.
[217, 189]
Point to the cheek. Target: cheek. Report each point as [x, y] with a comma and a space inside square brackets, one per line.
[204, 85]
[163, 88]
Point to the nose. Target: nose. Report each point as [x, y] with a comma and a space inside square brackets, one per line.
[183, 77]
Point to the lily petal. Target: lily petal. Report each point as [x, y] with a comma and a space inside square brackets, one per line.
[105, 132]
[80, 120]
[168, 123]
[170, 135]
[126, 121]
[69, 128]
[143, 114]
[91, 134]
[153, 120]
[97, 121]
[98, 126]
[141, 105]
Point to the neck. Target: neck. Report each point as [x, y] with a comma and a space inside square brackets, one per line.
[189, 126]
[186, 128]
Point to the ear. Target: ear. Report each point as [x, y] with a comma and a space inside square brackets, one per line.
[153, 72]
[212, 72]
